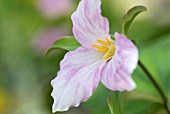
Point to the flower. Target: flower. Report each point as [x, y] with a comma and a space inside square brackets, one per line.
[44, 38]
[98, 59]
[54, 8]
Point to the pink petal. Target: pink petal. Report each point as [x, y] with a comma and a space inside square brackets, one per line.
[88, 23]
[44, 38]
[116, 75]
[77, 79]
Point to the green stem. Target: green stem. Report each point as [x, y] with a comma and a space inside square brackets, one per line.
[159, 89]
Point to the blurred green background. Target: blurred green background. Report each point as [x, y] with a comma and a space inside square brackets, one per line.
[28, 28]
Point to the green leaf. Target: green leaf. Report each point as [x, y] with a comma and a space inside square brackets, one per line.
[112, 37]
[115, 102]
[142, 106]
[130, 16]
[68, 43]
[168, 105]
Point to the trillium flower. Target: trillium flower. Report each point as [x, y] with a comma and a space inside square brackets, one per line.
[98, 59]
[55, 8]
[44, 38]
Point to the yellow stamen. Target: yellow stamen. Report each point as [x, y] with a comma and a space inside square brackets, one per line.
[103, 49]
[110, 52]
[102, 42]
[105, 46]
[100, 48]
[108, 41]
[95, 46]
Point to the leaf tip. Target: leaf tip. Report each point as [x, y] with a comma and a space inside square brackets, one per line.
[48, 51]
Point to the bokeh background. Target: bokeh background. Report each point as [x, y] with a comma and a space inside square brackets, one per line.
[28, 28]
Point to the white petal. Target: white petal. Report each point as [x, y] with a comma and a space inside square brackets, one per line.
[77, 79]
[117, 72]
[88, 23]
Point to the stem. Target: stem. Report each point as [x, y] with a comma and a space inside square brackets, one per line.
[159, 89]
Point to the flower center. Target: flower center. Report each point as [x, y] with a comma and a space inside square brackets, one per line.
[106, 46]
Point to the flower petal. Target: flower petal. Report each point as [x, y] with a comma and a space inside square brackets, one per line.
[77, 79]
[88, 23]
[116, 75]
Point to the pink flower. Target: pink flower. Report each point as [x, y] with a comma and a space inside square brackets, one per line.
[98, 59]
[44, 38]
[55, 8]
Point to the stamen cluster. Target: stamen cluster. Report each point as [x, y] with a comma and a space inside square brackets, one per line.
[106, 46]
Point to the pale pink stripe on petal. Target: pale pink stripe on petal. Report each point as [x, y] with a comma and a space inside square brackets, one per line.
[88, 23]
[116, 74]
[77, 79]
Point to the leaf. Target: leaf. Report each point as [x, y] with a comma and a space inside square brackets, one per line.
[142, 106]
[154, 108]
[135, 95]
[112, 37]
[115, 102]
[168, 105]
[130, 16]
[68, 43]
